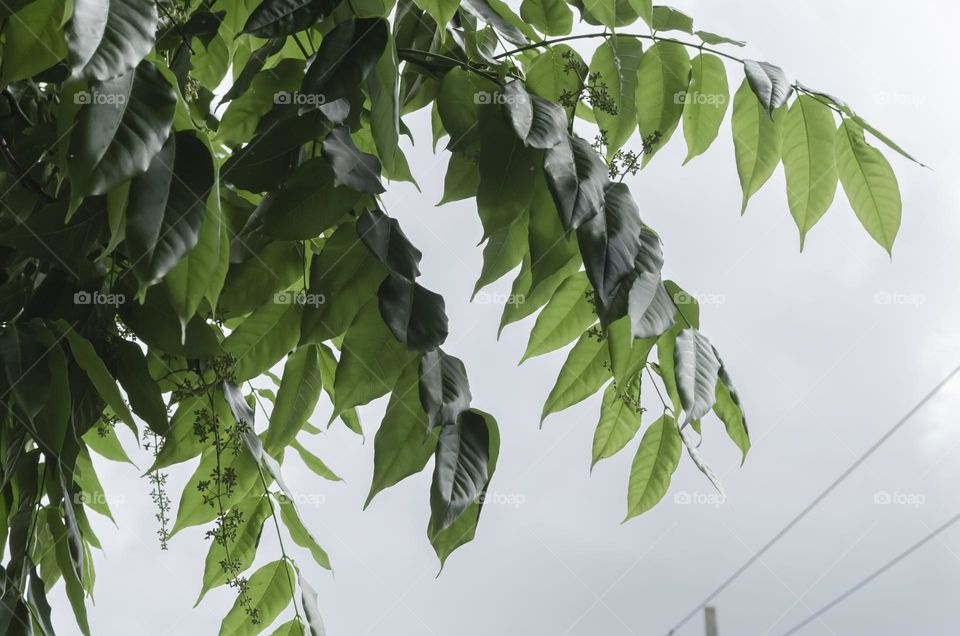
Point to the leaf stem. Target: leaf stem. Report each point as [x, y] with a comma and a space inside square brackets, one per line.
[642, 36]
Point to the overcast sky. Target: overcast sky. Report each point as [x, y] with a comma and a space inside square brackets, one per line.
[824, 370]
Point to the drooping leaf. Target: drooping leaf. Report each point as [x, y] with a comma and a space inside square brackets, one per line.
[538, 122]
[252, 513]
[809, 137]
[108, 38]
[167, 207]
[260, 341]
[663, 77]
[757, 141]
[567, 315]
[278, 18]
[314, 463]
[120, 130]
[654, 464]
[296, 399]
[385, 239]
[576, 178]
[585, 371]
[619, 422]
[461, 470]
[415, 315]
[669, 19]
[347, 55]
[301, 534]
[550, 17]
[870, 184]
[696, 367]
[769, 84]
[444, 389]
[351, 167]
[268, 592]
[705, 103]
[617, 62]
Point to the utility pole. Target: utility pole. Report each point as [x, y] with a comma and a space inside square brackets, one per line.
[710, 617]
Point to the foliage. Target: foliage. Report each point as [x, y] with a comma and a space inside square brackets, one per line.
[191, 198]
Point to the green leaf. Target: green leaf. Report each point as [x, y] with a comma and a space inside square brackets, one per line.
[459, 102]
[293, 627]
[259, 278]
[141, 389]
[612, 13]
[769, 83]
[252, 513]
[696, 367]
[705, 103]
[88, 360]
[551, 74]
[585, 371]
[277, 18]
[382, 86]
[119, 130]
[193, 509]
[507, 172]
[628, 354]
[731, 414]
[32, 40]
[713, 38]
[108, 38]
[870, 184]
[809, 137]
[385, 239]
[166, 209]
[260, 341]
[617, 62]
[415, 315]
[309, 203]
[314, 463]
[462, 179]
[347, 55]
[444, 389]
[442, 11]
[504, 250]
[268, 592]
[461, 468]
[72, 584]
[499, 16]
[300, 534]
[619, 422]
[654, 464]
[576, 177]
[371, 362]
[550, 17]
[329, 369]
[538, 122]
[297, 398]
[663, 77]
[344, 270]
[565, 317]
[757, 141]
[669, 19]
[351, 167]
[239, 121]
[403, 444]
[610, 243]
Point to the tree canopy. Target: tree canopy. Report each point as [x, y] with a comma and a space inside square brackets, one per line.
[192, 199]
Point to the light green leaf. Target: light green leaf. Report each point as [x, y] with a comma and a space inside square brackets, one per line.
[260, 341]
[654, 464]
[870, 184]
[299, 532]
[253, 512]
[705, 103]
[661, 89]
[297, 398]
[33, 40]
[268, 592]
[586, 369]
[617, 61]
[565, 317]
[314, 463]
[757, 141]
[551, 17]
[619, 421]
[809, 137]
[669, 19]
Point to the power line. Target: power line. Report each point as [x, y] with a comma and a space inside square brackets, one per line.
[875, 574]
[813, 504]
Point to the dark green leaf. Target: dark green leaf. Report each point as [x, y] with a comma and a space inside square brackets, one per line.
[696, 367]
[108, 38]
[538, 122]
[278, 18]
[461, 471]
[415, 315]
[346, 56]
[769, 84]
[577, 179]
[351, 167]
